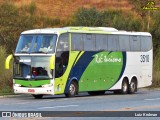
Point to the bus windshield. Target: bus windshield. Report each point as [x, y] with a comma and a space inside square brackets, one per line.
[44, 43]
[32, 68]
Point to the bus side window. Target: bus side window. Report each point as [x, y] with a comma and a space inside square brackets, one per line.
[124, 43]
[101, 42]
[146, 43]
[113, 43]
[77, 42]
[89, 42]
[135, 43]
[63, 43]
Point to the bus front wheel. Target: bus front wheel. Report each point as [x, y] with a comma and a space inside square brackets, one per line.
[73, 89]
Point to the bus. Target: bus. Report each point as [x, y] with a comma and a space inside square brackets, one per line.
[70, 60]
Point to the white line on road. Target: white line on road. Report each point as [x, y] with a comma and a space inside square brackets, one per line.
[153, 99]
[23, 103]
[59, 106]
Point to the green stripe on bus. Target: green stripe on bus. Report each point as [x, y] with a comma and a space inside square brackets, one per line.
[30, 83]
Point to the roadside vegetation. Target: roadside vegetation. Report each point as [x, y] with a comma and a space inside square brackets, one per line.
[15, 19]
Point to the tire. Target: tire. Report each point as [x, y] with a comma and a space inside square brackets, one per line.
[132, 87]
[37, 96]
[73, 89]
[125, 87]
[96, 92]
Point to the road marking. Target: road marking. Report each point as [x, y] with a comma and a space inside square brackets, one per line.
[153, 99]
[59, 106]
[23, 103]
[5, 104]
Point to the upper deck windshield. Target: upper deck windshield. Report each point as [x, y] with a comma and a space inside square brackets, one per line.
[44, 43]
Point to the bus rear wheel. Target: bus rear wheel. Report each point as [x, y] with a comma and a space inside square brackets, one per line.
[37, 96]
[133, 87]
[125, 87]
[73, 89]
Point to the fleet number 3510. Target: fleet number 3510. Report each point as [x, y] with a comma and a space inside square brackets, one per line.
[144, 58]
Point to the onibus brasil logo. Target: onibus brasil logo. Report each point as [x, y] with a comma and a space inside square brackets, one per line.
[150, 6]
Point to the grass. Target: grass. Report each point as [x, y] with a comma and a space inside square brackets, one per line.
[65, 9]
[6, 91]
[156, 71]
[156, 79]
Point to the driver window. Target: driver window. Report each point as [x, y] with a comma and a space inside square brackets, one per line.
[63, 43]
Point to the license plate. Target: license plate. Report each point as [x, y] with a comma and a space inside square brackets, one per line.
[31, 90]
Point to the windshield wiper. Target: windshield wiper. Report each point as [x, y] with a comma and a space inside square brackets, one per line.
[16, 77]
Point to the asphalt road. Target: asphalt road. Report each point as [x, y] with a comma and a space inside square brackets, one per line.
[144, 100]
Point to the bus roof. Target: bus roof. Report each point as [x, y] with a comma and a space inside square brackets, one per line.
[99, 30]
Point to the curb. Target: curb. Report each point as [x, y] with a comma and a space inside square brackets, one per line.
[20, 95]
[149, 89]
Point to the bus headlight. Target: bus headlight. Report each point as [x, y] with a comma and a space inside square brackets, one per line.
[47, 85]
[17, 85]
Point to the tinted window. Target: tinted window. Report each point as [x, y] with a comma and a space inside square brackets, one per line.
[101, 42]
[89, 42]
[77, 41]
[63, 43]
[113, 43]
[135, 43]
[124, 43]
[146, 43]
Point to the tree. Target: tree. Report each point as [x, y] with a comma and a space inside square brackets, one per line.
[12, 24]
[155, 31]
[138, 8]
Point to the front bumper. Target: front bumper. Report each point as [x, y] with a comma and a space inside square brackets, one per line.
[39, 90]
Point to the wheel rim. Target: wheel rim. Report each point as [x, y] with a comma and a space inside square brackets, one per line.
[125, 87]
[133, 86]
[72, 89]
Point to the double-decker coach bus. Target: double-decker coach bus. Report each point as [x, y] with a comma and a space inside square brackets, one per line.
[70, 60]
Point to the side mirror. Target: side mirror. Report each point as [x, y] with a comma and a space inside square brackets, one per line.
[7, 62]
[52, 60]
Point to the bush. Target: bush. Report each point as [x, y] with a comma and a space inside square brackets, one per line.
[88, 17]
[114, 18]
[5, 75]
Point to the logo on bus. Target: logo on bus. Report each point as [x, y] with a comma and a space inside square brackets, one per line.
[103, 58]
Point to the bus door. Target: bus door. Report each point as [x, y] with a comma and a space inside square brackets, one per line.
[61, 63]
